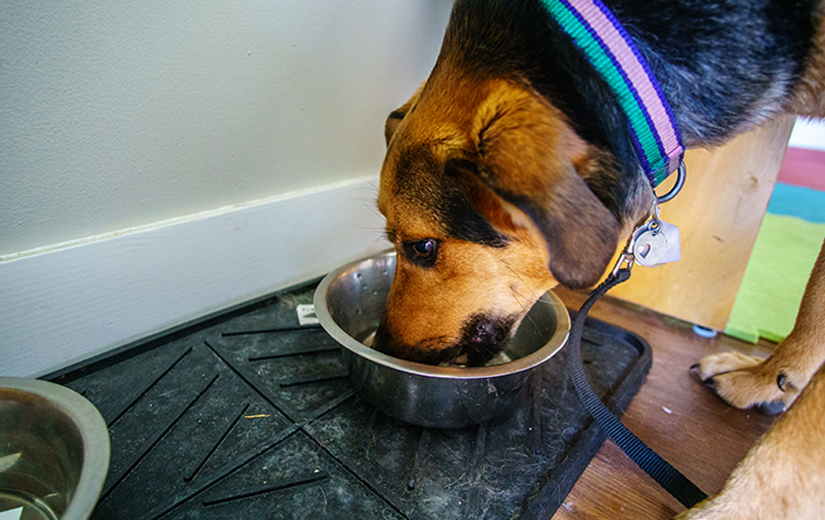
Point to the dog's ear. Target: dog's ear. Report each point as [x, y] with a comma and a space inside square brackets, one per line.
[580, 232]
[396, 116]
[526, 157]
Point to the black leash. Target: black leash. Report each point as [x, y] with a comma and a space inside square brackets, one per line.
[658, 468]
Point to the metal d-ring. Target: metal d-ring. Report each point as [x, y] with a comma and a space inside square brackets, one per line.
[680, 181]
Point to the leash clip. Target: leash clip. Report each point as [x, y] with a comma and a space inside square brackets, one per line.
[626, 258]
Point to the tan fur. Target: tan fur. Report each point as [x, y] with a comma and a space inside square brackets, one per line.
[783, 475]
[428, 307]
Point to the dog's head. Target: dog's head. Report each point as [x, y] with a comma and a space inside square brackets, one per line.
[489, 199]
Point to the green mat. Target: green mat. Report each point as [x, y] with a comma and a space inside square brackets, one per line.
[782, 258]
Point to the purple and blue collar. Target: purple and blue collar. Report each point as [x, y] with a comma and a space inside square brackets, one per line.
[612, 52]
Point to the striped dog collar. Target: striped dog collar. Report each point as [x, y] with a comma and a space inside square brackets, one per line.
[611, 51]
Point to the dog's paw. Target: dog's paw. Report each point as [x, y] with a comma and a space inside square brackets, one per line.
[724, 362]
[749, 382]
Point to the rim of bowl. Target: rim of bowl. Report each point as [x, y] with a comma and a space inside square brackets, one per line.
[93, 433]
[548, 350]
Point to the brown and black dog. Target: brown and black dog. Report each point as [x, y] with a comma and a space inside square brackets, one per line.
[511, 170]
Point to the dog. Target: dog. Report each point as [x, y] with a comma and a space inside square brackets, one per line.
[511, 170]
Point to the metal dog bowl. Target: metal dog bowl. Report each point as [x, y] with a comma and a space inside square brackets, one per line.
[349, 302]
[54, 451]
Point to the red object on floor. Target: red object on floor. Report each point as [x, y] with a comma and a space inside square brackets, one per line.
[803, 167]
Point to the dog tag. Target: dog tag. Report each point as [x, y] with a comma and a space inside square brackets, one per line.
[650, 247]
[674, 243]
[657, 243]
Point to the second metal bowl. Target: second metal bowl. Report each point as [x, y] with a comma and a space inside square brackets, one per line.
[349, 303]
[54, 451]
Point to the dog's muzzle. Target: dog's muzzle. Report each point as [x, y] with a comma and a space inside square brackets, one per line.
[481, 338]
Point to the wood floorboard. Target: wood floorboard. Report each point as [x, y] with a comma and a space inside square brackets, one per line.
[674, 414]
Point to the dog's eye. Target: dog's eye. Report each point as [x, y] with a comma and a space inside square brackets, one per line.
[422, 252]
[424, 248]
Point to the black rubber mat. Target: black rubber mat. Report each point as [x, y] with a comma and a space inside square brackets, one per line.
[249, 415]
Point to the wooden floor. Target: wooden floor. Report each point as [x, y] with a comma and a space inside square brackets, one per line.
[676, 416]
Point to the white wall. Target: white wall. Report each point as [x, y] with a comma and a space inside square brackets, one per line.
[163, 160]
[115, 114]
[809, 134]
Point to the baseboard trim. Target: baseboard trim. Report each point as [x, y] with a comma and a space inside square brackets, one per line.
[63, 304]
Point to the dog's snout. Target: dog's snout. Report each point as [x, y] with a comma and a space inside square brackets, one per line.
[481, 338]
[431, 352]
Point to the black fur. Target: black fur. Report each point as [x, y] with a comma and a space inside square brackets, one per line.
[419, 180]
[723, 65]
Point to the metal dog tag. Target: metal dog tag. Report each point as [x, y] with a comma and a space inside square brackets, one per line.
[674, 243]
[650, 247]
[657, 243]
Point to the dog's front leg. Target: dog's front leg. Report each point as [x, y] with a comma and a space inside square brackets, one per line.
[781, 477]
[774, 383]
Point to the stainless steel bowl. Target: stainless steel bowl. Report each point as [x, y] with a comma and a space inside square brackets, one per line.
[349, 302]
[54, 451]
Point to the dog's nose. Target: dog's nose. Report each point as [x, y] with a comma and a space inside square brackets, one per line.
[483, 332]
[486, 330]
[484, 337]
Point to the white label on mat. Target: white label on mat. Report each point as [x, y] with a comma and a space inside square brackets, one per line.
[306, 316]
